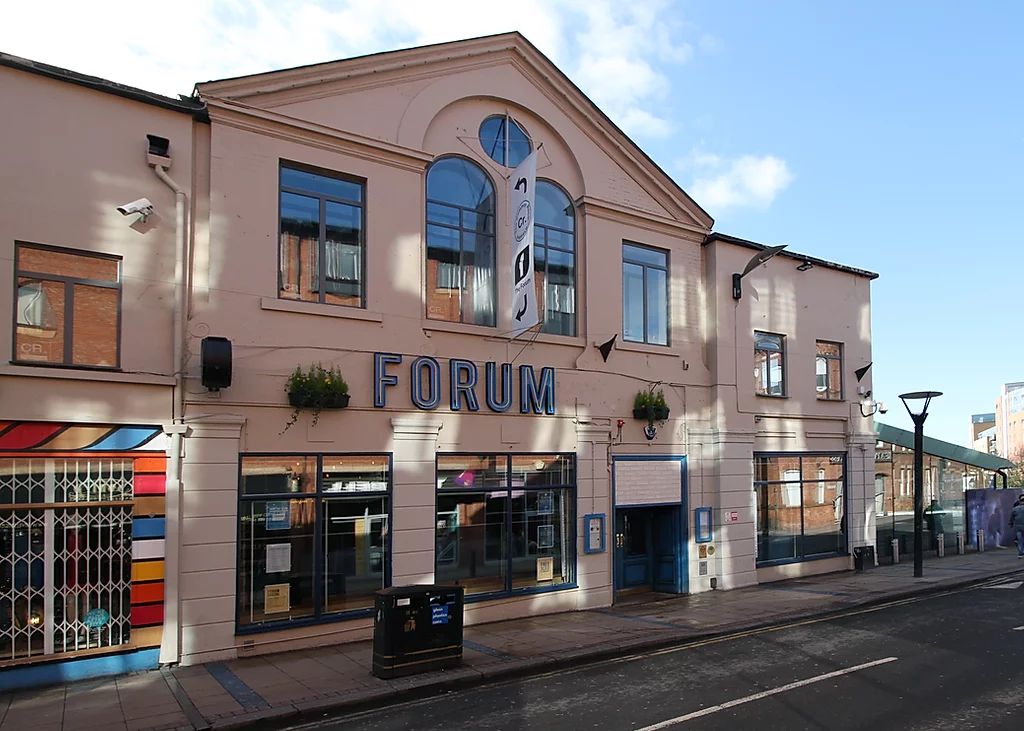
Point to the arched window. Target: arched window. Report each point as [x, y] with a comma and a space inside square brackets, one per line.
[504, 141]
[554, 253]
[460, 243]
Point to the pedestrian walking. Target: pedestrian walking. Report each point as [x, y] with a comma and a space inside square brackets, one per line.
[1017, 524]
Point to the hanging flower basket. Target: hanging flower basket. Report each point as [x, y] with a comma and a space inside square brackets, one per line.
[650, 407]
[315, 389]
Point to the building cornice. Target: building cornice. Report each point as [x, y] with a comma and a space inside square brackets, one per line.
[260, 121]
[639, 218]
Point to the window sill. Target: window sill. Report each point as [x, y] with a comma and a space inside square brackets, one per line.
[802, 559]
[430, 326]
[646, 348]
[771, 395]
[70, 373]
[831, 400]
[258, 629]
[316, 308]
[515, 593]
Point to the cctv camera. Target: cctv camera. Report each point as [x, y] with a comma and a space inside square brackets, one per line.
[882, 408]
[141, 206]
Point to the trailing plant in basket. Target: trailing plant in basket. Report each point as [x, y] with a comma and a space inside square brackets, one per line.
[316, 389]
[650, 406]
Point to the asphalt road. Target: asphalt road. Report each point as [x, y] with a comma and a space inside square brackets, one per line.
[949, 662]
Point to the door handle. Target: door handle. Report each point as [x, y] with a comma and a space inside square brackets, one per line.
[620, 540]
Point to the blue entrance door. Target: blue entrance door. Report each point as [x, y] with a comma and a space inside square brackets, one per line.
[647, 549]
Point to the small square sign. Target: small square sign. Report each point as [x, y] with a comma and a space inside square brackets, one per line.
[439, 614]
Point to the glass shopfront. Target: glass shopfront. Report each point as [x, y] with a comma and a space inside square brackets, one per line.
[800, 506]
[505, 523]
[313, 536]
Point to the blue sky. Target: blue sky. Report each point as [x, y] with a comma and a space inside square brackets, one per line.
[882, 135]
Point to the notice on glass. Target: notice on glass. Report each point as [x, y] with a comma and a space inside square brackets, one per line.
[545, 503]
[279, 558]
[545, 536]
[276, 598]
[545, 568]
[279, 515]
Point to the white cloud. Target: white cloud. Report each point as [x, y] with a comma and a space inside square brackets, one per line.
[617, 52]
[749, 181]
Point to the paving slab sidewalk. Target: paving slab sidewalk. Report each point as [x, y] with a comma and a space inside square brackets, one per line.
[329, 679]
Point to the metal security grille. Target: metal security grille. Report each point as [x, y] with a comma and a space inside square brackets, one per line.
[65, 555]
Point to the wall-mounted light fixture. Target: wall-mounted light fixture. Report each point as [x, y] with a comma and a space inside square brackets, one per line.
[760, 258]
[805, 266]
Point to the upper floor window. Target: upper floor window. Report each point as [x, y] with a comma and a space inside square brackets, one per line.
[69, 308]
[460, 243]
[828, 368]
[554, 254]
[769, 364]
[322, 221]
[504, 141]
[644, 295]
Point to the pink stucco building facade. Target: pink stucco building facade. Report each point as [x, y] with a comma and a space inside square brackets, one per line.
[356, 214]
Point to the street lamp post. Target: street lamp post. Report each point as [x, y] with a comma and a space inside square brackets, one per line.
[918, 417]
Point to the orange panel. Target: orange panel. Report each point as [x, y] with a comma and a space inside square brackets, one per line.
[151, 464]
[148, 593]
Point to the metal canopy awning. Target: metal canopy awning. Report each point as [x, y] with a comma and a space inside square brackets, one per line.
[938, 448]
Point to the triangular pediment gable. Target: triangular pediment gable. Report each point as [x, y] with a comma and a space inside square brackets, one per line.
[277, 94]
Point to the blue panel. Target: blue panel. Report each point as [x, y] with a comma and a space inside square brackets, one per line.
[124, 439]
[55, 673]
[148, 527]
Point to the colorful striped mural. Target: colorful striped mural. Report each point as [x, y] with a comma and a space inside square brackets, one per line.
[136, 447]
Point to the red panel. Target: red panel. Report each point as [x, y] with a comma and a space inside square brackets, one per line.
[150, 484]
[26, 436]
[147, 615]
[148, 593]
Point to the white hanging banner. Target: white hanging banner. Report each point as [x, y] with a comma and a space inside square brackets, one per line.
[524, 295]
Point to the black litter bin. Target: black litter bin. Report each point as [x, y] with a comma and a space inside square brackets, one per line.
[416, 629]
[863, 557]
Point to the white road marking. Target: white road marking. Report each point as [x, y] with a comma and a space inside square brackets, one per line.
[764, 694]
[1011, 585]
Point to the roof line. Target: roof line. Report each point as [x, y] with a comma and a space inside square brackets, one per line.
[715, 236]
[183, 105]
[939, 448]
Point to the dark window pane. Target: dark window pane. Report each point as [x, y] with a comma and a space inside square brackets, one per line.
[657, 307]
[633, 303]
[438, 213]
[277, 558]
[554, 207]
[479, 471]
[278, 475]
[94, 327]
[493, 134]
[300, 247]
[460, 182]
[355, 536]
[470, 544]
[355, 473]
[321, 184]
[644, 255]
[541, 537]
[536, 470]
[40, 330]
[343, 255]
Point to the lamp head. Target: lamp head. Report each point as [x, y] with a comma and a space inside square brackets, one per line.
[918, 396]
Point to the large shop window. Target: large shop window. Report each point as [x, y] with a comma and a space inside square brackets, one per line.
[644, 295]
[554, 256]
[312, 538]
[505, 524]
[322, 221]
[65, 555]
[460, 243]
[800, 506]
[68, 309]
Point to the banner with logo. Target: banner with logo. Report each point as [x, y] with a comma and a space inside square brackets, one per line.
[524, 296]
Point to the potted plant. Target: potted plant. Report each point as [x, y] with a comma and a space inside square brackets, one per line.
[650, 406]
[316, 389]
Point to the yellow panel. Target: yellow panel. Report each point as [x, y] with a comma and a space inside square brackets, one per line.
[147, 636]
[147, 570]
[149, 506]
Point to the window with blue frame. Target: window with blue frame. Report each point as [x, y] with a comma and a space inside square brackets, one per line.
[505, 523]
[800, 506]
[312, 536]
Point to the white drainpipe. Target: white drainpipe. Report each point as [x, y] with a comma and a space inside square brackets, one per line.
[170, 644]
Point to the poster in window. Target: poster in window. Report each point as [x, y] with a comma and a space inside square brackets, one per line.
[545, 536]
[276, 598]
[279, 558]
[279, 515]
[545, 569]
[545, 503]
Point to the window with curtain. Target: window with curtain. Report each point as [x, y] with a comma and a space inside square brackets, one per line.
[829, 370]
[321, 221]
[554, 253]
[769, 364]
[505, 523]
[460, 243]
